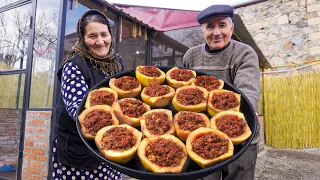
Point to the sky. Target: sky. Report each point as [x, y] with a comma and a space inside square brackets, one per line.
[196, 5]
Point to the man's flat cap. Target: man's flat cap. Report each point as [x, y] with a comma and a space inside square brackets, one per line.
[215, 11]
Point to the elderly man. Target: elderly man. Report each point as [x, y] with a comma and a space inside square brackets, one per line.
[235, 62]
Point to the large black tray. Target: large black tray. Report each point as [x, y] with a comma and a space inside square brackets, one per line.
[191, 170]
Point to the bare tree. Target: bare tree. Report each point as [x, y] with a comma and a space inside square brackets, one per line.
[13, 45]
[45, 34]
[10, 42]
[192, 37]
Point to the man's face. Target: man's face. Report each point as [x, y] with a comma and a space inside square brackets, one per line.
[217, 32]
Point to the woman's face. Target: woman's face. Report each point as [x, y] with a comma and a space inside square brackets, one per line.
[97, 38]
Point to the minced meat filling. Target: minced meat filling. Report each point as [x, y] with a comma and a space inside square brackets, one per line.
[164, 153]
[150, 71]
[126, 83]
[190, 96]
[210, 146]
[101, 97]
[158, 123]
[224, 101]
[190, 121]
[118, 138]
[208, 82]
[132, 108]
[231, 125]
[156, 91]
[97, 119]
[181, 74]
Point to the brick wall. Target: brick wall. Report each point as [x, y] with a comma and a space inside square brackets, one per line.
[36, 145]
[9, 135]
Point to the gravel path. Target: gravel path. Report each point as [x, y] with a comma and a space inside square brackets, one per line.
[288, 164]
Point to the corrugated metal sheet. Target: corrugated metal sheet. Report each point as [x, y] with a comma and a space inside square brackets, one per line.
[162, 19]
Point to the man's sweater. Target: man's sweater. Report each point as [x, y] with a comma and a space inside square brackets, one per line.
[237, 63]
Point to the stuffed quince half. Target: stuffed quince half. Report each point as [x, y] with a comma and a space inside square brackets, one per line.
[94, 118]
[208, 82]
[101, 96]
[208, 146]
[186, 121]
[190, 98]
[126, 86]
[129, 110]
[150, 75]
[233, 124]
[222, 100]
[158, 96]
[162, 154]
[118, 143]
[157, 122]
[178, 77]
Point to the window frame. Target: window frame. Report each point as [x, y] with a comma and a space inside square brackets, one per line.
[27, 71]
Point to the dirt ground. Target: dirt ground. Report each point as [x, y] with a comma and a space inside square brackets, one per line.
[274, 164]
[288, 164]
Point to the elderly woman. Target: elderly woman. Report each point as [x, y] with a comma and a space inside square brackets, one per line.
[91, 60]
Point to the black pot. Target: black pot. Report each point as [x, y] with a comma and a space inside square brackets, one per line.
[191, 170]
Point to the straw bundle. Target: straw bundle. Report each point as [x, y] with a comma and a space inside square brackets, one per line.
[120, 29]
[134, 29]
[145, 35]
[139, 30]
[292, 110]
[260, 104]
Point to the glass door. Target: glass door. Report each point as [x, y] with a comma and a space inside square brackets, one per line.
[14, 41]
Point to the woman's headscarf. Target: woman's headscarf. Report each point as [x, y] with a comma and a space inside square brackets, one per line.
[109, 64]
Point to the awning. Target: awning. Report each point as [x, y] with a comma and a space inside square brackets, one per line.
[162, 19]
[170, 19]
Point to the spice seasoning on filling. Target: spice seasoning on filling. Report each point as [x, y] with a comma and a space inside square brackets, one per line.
[190, 96]
[132, 108]
[150, 71]
[190, 121]
[118, 138]
[101, 98]
[156, 91]
[224, 101]
[164, 153]
[207, 82]
[181, 74]
[96, 120]
[231, 125]
[210, 146]
[126, 83]
[158, 123]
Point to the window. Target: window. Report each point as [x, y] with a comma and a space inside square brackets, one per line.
[44, 54]
[14, 31]
[169, 47]
[132, 50]
[161, 55]
[11, 91]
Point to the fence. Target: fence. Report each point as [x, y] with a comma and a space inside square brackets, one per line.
[292, 109]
